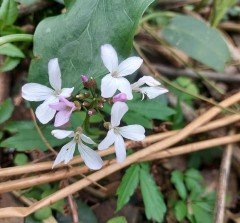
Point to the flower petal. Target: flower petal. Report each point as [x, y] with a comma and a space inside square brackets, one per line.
[54, 74]
[153, 92]
[66, 92]
[129, 66]
[59, 106]
[133, 132]
[44, 113]
[148, 80]
[90, 157]
[62, 117]
[62, 134]
[107, 141]
[119, 109]
[125, 87]
[65, 154]
[120, 149]
[109, 57]
[108, 86]
[36, 92]
[87, 139]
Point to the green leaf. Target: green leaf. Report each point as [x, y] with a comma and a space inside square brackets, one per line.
[6, 110]
[193, 180]
[85, 214]
[8, 12]
[43, 213]
[11, 50]
[198, 40]
[76, 36]
[20, 159]
[180, 210]
[202, 212]
[156, 109]
[177, 179]
[119, 219]
[219, 9]
[128, 185]
[9, 64]
[16, 126]
[1, 135]
[155, 207]
[28, 139]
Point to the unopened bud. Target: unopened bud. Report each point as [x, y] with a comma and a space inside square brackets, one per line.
[86, 94]
[100, 105]
[84, 78]
[106, 125]
[91, 112]
[120, 97]
[78, 105]
[86, 104]
[80, 96]
[103, 100]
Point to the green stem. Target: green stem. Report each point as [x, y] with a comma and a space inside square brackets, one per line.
[16, 38]
[156, 15]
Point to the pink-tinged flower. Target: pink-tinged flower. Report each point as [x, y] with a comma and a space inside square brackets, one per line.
[90, 157]
[120, 97]
[64, 110]
[116, 80]
[84, 78]
[152, 90]
[115, 134]
[38, 92]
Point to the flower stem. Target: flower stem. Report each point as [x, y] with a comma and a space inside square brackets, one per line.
[16, 38]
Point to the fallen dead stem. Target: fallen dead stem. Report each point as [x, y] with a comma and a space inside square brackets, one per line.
[37, 167]
[166, 143]
[64, 174]
[223, 183]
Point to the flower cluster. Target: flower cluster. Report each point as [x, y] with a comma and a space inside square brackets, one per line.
[59, 102]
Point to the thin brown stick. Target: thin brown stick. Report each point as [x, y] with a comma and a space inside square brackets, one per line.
[12, 171]
[223, 183]
[166, 143]
[63, 174]
[73, 207]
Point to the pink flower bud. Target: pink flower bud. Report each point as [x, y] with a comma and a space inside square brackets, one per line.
[120, 97]
[91, 112]
[84, 78]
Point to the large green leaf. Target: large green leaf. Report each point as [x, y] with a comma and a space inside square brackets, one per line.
[155, 207]
[76, 36]
[128, 185]
[6, 110]
[198, 40]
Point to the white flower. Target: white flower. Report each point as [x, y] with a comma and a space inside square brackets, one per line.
[38, 92]
[152, 91]
[115, 79]
[91, 158]
[115, 134]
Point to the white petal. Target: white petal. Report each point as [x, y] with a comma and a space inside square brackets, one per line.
[120, 149]
[44, 113]
[125, 87]
[36, 92]
[108, 86]
[119, 109]
[62, 134]
[65, 154]
[90, 157]
[148, 80]
[87, 139]
[129, 66]
[153, 92]
[54, 74]
[109, 57]
[66, 92]
[107, 141]
[133, 132]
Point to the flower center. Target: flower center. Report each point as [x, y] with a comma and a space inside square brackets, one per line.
[116, 130]
[115, 74]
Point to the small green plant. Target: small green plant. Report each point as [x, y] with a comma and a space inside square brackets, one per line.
[192, 202]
